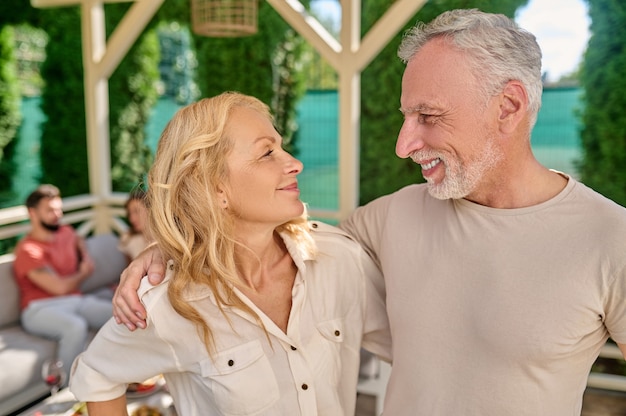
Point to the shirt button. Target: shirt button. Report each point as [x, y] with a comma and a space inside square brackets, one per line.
[337, 332]
[305, 386]
[314, 225]
[231, 363]
[293, 348]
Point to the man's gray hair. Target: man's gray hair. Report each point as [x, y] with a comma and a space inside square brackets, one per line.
[498, 49]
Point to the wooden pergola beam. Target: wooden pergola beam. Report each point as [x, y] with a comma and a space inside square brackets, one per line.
[41, 4]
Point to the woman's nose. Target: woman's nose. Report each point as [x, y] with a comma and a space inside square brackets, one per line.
[294, 166]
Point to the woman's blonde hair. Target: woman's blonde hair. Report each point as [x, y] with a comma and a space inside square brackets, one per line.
[187, 221]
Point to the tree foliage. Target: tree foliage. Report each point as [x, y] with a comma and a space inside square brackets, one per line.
[10, 98]
[241, 64]
[30, 47]
[10, 115]
[178, 63]
[381, 170]
[288, 86]
[12, 13]
[602, 79]
[132, 95]
[63, 141]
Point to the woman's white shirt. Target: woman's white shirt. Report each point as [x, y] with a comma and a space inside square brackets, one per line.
[337, 307]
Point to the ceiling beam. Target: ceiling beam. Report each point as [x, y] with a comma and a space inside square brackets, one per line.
[309, 28]
[126, 33]
[42, 4]
[385, 29]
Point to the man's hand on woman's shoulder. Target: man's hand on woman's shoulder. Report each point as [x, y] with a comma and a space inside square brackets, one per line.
[127, 309]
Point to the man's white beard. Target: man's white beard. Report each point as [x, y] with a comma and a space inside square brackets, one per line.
[461, 179]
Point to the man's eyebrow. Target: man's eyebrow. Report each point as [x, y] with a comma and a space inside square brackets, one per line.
[420, 108]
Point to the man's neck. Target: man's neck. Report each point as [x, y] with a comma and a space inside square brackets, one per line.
[39, 233]
[532, 185]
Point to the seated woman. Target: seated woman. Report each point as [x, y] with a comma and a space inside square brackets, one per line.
[261, 312]
[138, 235]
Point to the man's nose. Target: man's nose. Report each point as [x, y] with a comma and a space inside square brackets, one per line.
[409, 141]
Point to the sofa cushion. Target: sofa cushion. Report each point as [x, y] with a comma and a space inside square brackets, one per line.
[21, 358]
[109, 262]
[9, 293]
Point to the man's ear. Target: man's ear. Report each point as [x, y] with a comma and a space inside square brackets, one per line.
[513, 106]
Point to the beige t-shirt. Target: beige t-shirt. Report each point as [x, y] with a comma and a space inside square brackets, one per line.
[496, 312]
[338, 305]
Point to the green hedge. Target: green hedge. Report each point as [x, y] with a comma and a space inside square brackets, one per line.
[604, 119]
[10, 115]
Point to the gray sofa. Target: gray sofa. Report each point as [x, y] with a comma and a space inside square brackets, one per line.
[23, 354]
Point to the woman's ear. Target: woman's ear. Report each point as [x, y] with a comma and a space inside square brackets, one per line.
[513, 106]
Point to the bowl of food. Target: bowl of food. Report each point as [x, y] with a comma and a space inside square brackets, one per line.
[146, 410]
[155, 405]
[145, 388]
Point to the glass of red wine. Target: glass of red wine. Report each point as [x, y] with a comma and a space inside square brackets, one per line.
[53, 374]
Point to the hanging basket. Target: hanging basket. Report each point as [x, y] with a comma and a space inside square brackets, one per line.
[224, 18]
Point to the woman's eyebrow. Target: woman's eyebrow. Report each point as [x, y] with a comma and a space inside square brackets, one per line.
[261, 138]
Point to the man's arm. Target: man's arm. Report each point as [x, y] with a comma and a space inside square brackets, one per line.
[127, 309]
[114, 407]
[52, 283]
[81, 247]
[365, 224]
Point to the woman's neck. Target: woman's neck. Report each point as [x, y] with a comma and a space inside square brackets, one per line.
[257, 257]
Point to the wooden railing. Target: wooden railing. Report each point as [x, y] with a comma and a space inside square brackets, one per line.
[81, 212]
[604, 380]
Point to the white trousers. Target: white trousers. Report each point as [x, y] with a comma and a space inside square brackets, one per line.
[67, 319]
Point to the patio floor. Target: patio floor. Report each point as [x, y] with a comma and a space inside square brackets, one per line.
[598, 402]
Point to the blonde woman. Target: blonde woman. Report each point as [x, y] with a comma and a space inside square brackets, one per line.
[261, 312]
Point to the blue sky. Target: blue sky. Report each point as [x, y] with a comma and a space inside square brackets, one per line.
[561, 28]
[562, 31]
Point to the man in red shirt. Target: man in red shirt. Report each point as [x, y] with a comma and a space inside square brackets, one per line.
[50, 264]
